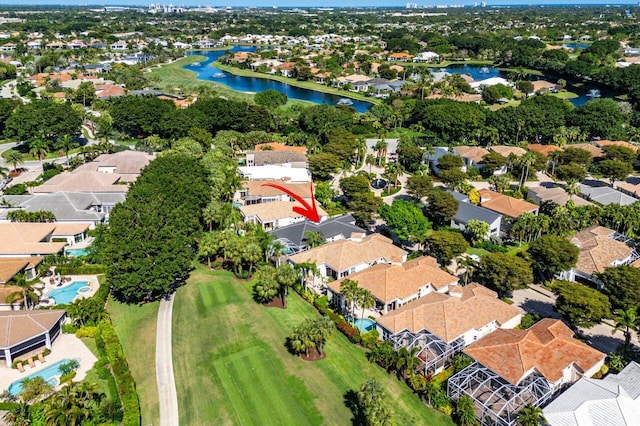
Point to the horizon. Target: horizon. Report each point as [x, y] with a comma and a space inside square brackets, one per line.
[314, 5]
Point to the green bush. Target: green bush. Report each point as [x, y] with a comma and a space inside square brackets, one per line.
[87, 331]
[322, 302]
[17, 189]
[68, 377]
[7, 406]
[124, 380]
[69, 328]
[81, 270]
[370, 338]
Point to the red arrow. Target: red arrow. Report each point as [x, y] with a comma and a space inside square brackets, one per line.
[308, 211]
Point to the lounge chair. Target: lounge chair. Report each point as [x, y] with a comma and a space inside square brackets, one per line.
[41, 358]
[31, 363]
[20, 367]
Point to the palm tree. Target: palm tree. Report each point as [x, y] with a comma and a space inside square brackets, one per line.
[381, 149]
[26, 293]
[626, 321]
[465, 412]
[4, 172]
[286, 277]
[13, 158]
[572, 188]
[304, 269]
[469, 264]
[373, 401]
[18, 415]
[266, 287]
[313, 239]
[349, 290]
[321, 330]
[366, 300]
[526, 161]
[67, 143]
[407, 360]
[39, 149]
[530, 416]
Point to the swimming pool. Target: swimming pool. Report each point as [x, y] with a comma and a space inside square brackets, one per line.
[51, 375]
[365, 324]
[77, 252]
[68, 293]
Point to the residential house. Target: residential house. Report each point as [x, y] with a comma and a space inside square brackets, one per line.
[8, 47]
[603, 143]
[25, 331]
[12, 266]
[515, 368]
[555, 194]
[471, 155]
[399, 57]
[275, 214]
[119, 45]
[543, 86]
[441, 325]
[505, 205]
[591, 149]
[261, 191]
[280, 158]
[426, 57]
[341, 258]
[468, 212]
[543, 149]
[600, 193]
[274, 146]
[294, 237]
[286, 69]
[34, 45]
[631, 186]
[600, 248]
[506, 151]
[492, 81]
[82, 181]
[78, 207]
[24, 239]
[126, 164]
[614, 400]
[107, 91]
[271, 172]
[394, 286]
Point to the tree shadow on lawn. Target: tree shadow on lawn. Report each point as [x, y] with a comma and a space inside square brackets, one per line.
[352, 403]
[539, 307]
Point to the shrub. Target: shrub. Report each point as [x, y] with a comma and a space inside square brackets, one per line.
[491, 247]
[69, 328]
[81, 270]
[17, 189]
[124, 380]
[370, 338]
[87, 332]
[67, 377]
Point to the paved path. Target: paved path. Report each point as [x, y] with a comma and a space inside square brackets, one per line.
[164, 366]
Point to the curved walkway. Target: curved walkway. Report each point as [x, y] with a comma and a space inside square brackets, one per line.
[167, 395]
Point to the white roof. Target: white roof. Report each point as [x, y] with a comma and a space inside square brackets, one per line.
[490, 82]
[269, 172]
[613, 401]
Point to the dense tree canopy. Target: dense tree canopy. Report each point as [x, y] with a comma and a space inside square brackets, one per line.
[622, 285]
[505, 273]
[551, 254]
[43, 119]
[405, 218]
[151, 238]
[582, 306]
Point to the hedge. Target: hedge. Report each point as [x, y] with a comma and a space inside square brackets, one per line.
[8, 406]
[120, 368]
[81, 270]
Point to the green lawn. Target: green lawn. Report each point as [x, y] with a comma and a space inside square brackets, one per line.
[231, 364]
[136, 328]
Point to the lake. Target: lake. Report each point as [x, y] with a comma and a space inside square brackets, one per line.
[207, 72]
[253, 84]
[481, 72]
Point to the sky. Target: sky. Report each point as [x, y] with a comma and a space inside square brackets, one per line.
[305, 3]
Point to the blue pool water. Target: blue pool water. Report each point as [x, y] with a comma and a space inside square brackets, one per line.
[68, 293]
[252, 84]
[51, 374]
[365, 324]
[76, 252]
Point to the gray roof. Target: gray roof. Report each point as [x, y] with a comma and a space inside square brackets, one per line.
[604, 195]
[467, 211]
[612, 401]
[263, 157]
[66, 206]
[340, 225]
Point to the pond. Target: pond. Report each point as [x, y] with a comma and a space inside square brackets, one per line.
[482, 72]
[253, 84]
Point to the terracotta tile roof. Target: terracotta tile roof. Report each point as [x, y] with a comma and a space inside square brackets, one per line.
[83, 181]
[604, 142]
[10, 266]
[18, 326]
[449, 317]
[26, 239]
[342, 254]
[401, 55]
[504, 204]
[474, 153]
[598, 250]
[543, 149]
[268, 212]
[390, 282]
[630, 187]
[592, 149]
[70, 228]
[543, 84]
[257, 188]
[506, 150]
[558, 195]
[109, 90]
[548, 346]
[281, 147]
[125, 162]
[6, 291]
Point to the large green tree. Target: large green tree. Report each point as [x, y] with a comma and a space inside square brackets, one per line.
[44, 119]
[442, 207]
[505, 273]
[622, 285]
[405, 218]
[551, 254]
[151, 239]
[582, 306]
[445, 245]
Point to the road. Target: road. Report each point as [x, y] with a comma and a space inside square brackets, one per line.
[164, 366]
[600, 336]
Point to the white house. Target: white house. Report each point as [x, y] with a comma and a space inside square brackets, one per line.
[426, 57]
[271, 172]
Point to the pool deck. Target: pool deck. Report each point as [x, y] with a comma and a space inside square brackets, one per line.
[66, 346]
[91, 279]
